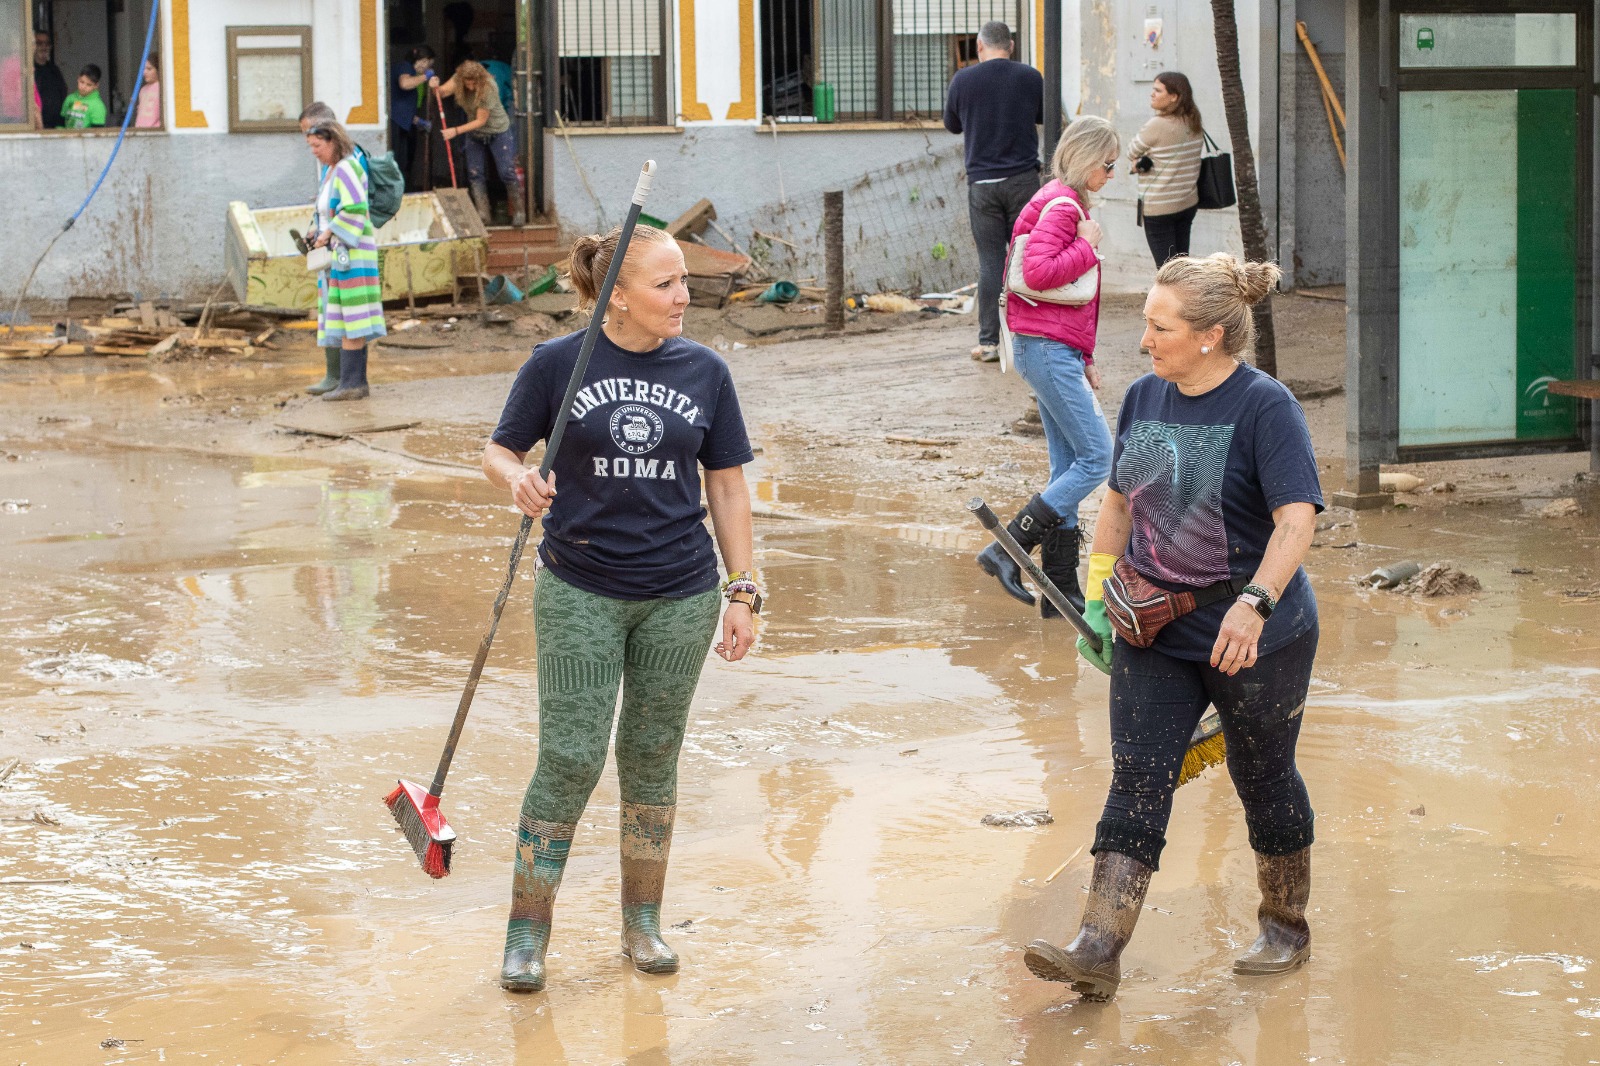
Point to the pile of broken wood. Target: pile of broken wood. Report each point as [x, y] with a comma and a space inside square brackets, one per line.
[714, 274]
[151, 329]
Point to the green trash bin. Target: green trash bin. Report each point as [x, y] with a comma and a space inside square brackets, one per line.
[822, 101]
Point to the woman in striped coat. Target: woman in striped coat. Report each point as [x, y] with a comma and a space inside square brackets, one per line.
[1166, 157]
[350, 292]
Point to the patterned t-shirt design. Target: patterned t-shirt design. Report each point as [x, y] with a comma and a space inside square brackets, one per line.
[1172, 476]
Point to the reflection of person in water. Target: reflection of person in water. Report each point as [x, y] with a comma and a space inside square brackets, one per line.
[1231, 525]
[627, 594]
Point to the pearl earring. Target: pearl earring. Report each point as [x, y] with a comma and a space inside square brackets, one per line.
[1204, 350]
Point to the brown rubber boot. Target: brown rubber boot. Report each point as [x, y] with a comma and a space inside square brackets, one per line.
[516, 199]
[541, 857]
[1285, 940]
[646, 838]
[1091, 964]
[480, 199]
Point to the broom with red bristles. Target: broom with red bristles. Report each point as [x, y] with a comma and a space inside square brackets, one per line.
[415, 809]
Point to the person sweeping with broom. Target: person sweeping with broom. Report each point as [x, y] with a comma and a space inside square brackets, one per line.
[627, 594]
[1195, 565]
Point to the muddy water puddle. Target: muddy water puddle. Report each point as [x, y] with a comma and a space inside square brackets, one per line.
[214, 668]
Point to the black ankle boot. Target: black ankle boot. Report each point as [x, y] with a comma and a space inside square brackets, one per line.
[352, 375]
[1058, 558]
[1032, 524]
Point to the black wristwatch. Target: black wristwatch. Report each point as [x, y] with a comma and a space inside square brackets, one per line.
[751, 600]
[1258, 600]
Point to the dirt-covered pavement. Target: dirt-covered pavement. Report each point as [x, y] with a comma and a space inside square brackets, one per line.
[223, 640]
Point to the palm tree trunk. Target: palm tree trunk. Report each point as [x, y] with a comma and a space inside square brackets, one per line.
[1251, 225]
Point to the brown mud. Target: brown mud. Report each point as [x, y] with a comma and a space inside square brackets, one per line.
[223, 642]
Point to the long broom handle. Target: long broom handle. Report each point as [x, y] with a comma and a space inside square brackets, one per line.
[1003, 535]
[641, 192]
[438, 98]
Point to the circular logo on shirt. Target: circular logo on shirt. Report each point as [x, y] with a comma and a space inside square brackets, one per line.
[636, 429]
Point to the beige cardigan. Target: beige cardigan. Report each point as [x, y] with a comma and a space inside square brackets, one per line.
[1169, 186]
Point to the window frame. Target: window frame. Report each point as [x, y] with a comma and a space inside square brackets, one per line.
[35, 123]
[661, 95]
[307, 91]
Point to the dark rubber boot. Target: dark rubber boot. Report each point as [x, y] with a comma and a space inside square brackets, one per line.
[1285, 940]
[1032, 524]
[1091, 964]
[480, 200]
[330, 377]
[541, 858]
[352, 375]
[646, 838]
[1058, 558]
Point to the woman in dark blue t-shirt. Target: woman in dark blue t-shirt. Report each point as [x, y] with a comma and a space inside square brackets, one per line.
[1213, 492]
[627, 592]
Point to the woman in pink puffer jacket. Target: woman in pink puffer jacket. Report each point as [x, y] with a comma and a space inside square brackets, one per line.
[1053, 347]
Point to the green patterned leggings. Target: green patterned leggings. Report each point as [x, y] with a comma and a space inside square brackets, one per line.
[589, 646]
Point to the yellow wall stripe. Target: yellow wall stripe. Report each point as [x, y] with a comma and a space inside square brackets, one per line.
[184, 116]
[1038, 35]
[690, 106]
[745, 106]
[366, 112]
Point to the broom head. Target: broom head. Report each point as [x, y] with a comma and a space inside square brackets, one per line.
[1207, 748]
[424, 825]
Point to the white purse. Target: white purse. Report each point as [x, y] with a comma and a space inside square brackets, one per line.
[1074, 293]
[319, 259]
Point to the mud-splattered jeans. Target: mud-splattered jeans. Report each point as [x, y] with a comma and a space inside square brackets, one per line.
[1157, 700]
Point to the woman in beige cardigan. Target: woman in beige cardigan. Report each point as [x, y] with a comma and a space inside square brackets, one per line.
[1166, 157]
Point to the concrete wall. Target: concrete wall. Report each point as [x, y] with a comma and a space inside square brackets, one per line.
[1319, 179]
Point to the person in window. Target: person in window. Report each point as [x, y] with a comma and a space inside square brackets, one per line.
[47, 82]
[1166, 157]
[350, 292]
[408, 113]
[486, 132]
[1214, 492]
[627, 596]
[147, 108]
[84, 109]
[996, 104]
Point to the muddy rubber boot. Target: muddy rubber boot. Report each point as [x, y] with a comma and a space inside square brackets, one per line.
[352, 375]
[1058, 558]
[517, 202]
[646, 838]
[330, 377]
[1285, 940]
[1032, 524]
[480, 200]
[541, 858]
[1091, 964]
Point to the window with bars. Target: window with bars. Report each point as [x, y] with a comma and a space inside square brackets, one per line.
[613, 65]
[853, 60]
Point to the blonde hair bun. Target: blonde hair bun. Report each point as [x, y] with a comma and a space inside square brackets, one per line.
[1219, 290]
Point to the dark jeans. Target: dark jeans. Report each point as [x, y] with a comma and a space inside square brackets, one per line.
[993, 210]
[1168, 235]
[502, 147]
[1157, 700]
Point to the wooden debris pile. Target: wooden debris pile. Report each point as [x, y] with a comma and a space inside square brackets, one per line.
[150, 330]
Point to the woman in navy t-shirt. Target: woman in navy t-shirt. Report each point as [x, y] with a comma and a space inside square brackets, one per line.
[627, 592]
[1213, 491]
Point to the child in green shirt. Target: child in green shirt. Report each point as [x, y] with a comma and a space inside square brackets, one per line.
[84, 108]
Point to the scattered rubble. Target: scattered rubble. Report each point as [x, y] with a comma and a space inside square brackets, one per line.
[1440, 579]
[1019, 819]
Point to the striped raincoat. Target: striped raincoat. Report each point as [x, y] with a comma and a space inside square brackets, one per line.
[350, 293]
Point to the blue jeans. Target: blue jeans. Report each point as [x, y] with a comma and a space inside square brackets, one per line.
[1074, 426]
[503, 147]
[1157, 700]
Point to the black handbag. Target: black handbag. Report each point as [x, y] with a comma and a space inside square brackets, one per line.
[1215, 185]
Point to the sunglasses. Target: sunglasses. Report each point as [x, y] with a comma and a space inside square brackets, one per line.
[1110, 167]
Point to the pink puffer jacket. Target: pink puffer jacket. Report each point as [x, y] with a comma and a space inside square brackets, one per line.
[1055, 256]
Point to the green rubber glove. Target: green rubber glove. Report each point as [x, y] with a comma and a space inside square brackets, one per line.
[1094, 612]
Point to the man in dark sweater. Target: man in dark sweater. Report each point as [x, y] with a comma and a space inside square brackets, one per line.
[48, 80]
[996, 103]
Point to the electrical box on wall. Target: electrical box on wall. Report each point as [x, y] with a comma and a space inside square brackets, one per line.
[1149, 51]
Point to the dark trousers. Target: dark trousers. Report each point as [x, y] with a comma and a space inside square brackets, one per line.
[993, 209]
[1168, 235]
[1157, 700]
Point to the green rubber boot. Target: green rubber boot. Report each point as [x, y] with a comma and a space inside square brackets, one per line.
[330, 379]
[542, 849]
[646, 839]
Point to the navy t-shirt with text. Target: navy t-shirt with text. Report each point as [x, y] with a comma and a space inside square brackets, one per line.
[1203, 475]
[627, 521]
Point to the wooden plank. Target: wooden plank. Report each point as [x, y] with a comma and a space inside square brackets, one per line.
[336, 428]
[709, 262]
[693, 221]
[1587, 390]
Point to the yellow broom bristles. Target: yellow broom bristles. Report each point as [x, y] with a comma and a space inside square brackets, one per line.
[1212, 751]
